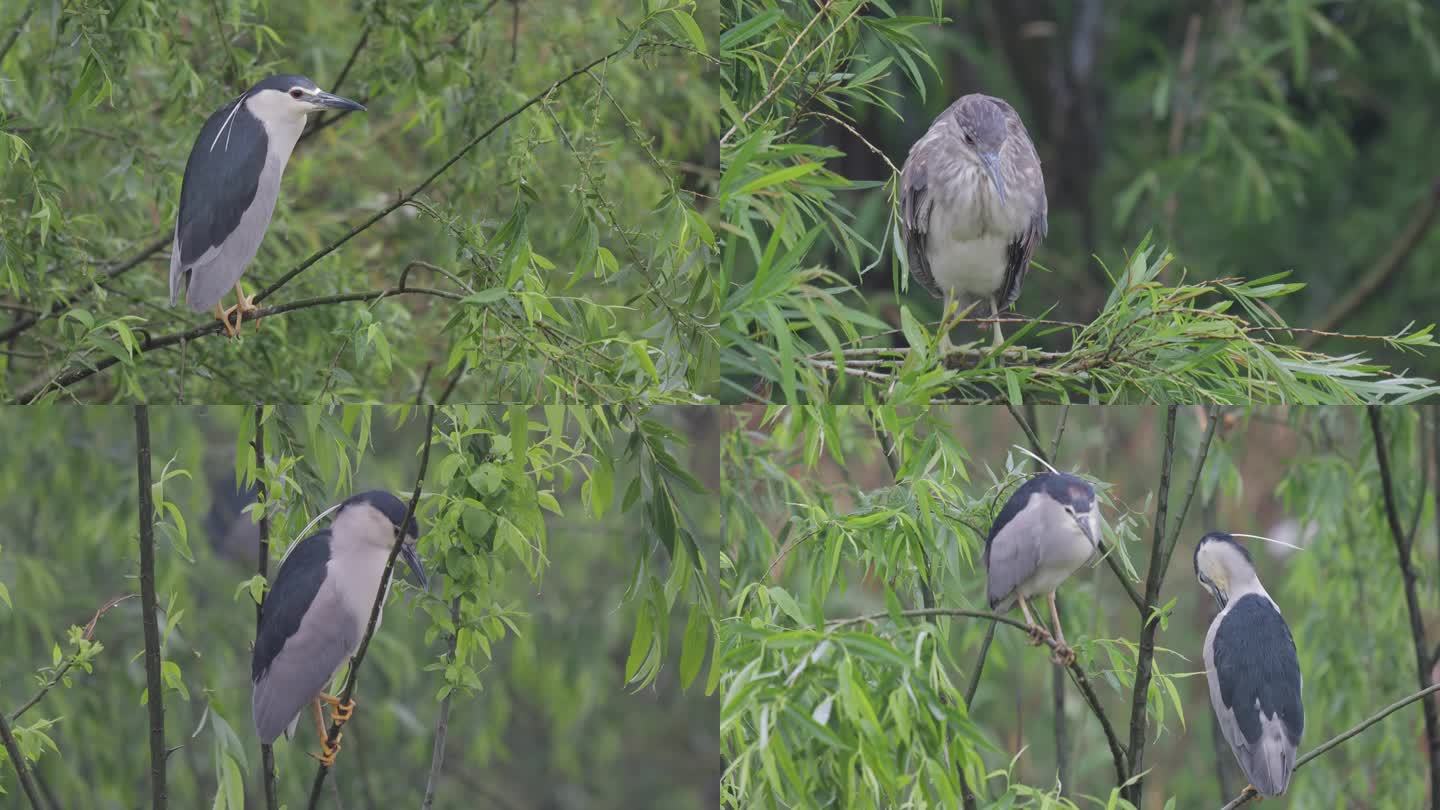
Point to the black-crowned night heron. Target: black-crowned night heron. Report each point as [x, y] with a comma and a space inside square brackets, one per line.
[972, 208]
[1251, 664]
[1047, 529]
[231, 181]
[317, 611]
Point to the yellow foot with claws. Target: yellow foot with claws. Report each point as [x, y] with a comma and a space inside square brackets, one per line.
[327, 753]
[1063, 655]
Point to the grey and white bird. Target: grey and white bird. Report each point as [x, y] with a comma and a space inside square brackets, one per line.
[1047, 529]
[973, 207]
[231, 182]
[317, 610]
[1252, 667]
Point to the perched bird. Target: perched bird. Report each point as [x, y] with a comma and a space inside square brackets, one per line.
[317, 610]
[1251, 664]
[1048, 528]
[231, 181]
[972, 207]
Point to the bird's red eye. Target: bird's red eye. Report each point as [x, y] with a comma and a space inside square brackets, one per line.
[296, 93]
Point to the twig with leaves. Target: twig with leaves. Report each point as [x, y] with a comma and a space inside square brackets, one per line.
[17, 759]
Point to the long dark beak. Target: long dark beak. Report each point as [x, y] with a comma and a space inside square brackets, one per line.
[991, 162]
[335, 102]
[407, 549]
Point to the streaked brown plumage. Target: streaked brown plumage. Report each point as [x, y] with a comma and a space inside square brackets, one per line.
[972, 205]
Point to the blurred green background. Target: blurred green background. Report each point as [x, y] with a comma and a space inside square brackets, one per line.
[551, 722]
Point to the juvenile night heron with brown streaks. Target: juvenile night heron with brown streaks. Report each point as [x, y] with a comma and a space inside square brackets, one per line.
[972, 208]
[232, 180]
[1048, 528]
[317, 611]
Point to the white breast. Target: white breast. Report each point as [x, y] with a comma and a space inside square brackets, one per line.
[359, 570]
[968, 254]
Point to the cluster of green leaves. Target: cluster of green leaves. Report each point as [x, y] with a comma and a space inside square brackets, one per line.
[798, 326]
[873, 713]
[564, 254]
[545, 573]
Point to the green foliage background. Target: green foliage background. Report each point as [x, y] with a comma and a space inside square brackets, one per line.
[570, 253]
[874, 715]
[586, 610]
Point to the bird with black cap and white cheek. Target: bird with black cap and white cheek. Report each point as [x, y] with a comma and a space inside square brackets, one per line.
[232, 180]
[317, 611]
[1251, 665]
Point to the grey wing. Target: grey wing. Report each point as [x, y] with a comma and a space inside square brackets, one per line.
[1022, 247]
[1012, 558]
[1269, 762]
[915, 206]
[302, 668]
[222, 180]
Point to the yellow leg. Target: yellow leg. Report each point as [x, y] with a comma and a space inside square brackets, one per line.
[948, 321]
[995, 313]
[1038, 633]
[327, 752]
[1063, 654]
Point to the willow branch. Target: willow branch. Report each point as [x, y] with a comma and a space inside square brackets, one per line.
[405, 198]
[1412, 602]
[1077, 674]
[59, 674]
[442, 725]
[74, 374]
[375, 608]
[267, 751]
[1249, 793]
[155, 695]
[1162, 547]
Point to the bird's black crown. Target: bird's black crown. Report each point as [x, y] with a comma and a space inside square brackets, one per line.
[1062, 487]
[283, 82]
[1221, 537]
[392, 507]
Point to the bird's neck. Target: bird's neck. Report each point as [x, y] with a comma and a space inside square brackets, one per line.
[1242, 584]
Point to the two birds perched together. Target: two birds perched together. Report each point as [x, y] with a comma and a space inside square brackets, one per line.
[1050, 526]
[232, 180]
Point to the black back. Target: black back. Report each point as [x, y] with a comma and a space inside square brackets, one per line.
[290, 596]
[1255, 660]
[1063, 487]
[221, 178]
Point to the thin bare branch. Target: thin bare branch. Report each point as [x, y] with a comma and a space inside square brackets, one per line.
[1412, 602]
[149, 612]
[1162, 547]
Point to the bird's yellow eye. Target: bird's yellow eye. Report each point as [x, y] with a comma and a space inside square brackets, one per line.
[296, 93]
